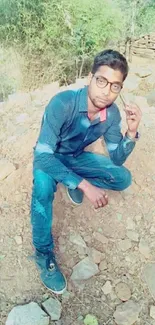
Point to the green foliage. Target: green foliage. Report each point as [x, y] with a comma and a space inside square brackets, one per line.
[60, 37]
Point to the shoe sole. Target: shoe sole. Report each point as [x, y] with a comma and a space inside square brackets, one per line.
[72, 199]
[56, 292]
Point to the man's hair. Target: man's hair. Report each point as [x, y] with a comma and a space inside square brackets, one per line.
[112, 59]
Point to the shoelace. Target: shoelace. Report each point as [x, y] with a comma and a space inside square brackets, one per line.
[51, 262]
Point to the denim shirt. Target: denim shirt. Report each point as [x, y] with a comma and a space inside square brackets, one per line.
[67, 130]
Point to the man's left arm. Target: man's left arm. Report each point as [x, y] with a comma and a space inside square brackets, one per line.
[120, 147]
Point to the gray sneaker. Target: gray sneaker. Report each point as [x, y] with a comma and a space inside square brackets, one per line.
[76, 196]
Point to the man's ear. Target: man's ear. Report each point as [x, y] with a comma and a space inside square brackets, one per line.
[89, 78]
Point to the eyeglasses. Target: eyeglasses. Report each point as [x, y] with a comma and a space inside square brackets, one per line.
[102, 82]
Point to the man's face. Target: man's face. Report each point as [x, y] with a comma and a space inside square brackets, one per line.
[100, 94]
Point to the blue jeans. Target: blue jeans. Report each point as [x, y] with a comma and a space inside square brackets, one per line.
[97, 169]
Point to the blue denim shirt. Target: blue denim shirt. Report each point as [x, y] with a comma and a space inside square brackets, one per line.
[67, 130]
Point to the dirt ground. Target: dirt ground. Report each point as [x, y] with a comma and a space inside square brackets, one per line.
[130, 211]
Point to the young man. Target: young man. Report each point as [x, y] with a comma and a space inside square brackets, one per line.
[72, 120]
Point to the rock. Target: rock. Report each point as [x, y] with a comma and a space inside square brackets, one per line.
[149, 278]
[103, 265]
[152, 312]
[152, 230]
[151, 98]
[123, 291]
[138, 218]
[66, 295]
[82, 251]
[127, 313]
[84, 270]
[130, 224]
[77, 240]
[6, 168]
[107, 288]
[46, 92]
[132, 82]
[81, 82]
[100, 237]
[144, 248]
[90, 320]
[18, 240]
[53, 308]
[62, 249]
[133, 235]
[142, 103]
[30, 314]
[94, 255]
[61, 241]
[125, 244]
[22, 118]
[143, 72]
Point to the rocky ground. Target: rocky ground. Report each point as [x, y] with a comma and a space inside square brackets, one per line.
[108, 256]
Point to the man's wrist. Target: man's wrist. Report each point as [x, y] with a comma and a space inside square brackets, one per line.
[131, 135]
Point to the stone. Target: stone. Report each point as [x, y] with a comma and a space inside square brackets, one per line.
[77, 240]
[100, 237]
[94, 255]
[152, 230]
[53, 308]
[107, 288]
[132, 82]
[30, 314]
[142, 103]
[61, 241]
[144, 248]
[143, 72]
[133, 235]
[123, 291]
[66, 295]
[103, 265]
[152, 312]
[130, 224]
[90, 320]
[127, 313]
[84, 270]
[18, 240]
[125, 244]
[151, 98]
[138, 218]
[82, 251]
[22, 118]
[6, 168]
[149, 278]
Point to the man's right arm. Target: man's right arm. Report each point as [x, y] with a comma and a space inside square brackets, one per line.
[44, 156]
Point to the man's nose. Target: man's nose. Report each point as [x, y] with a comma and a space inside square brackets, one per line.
[106, 90]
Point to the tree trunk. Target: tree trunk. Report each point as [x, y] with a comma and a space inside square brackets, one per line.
[81, 68]
[133, 19]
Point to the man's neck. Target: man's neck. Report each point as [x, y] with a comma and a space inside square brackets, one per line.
[92, 110]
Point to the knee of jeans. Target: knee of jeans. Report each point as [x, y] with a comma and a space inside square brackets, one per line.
[43, 186]
[126, 178]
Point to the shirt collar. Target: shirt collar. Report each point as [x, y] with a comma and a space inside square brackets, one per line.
[83, 100]
[83, 105]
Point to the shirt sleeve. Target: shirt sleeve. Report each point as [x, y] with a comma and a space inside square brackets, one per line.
[49, 137]
[119, 147]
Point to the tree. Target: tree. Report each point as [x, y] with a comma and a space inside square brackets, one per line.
[138, 19]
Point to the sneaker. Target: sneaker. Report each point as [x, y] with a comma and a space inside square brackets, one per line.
[50, 275]
[76, 196]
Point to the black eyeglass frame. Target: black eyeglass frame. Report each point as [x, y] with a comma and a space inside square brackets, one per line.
[107, 83]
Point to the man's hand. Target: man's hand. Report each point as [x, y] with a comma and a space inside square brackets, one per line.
[95, 195]
[133, 118]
